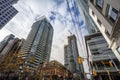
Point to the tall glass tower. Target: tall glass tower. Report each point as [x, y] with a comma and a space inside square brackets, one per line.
[84, 10]
[37, 47]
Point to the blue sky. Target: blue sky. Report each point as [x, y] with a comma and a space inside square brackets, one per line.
[56, 11]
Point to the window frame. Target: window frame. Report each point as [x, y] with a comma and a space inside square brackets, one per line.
[99, 22]
[100, 5]
[113, 13]
[118, 49]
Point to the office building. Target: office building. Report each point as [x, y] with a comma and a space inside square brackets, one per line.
[106, 15]
[9, 58]
[71, 56]
[37, 47]
[4, 42]
[8, 48]
[102, 61]
[84, 11]
[7, 11]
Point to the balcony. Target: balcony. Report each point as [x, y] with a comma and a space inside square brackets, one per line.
[103, 69]
[103, 57]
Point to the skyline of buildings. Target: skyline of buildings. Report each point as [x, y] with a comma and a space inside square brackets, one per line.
[23, 56]
[7, 11]
[98, 15]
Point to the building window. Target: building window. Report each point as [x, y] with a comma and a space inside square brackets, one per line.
[93, 13]
[91, 1]
[118, 49]
[107, 33]
[2, 7]
[112, 14]
[2, 23]
[99, 22]
[100, 3]
[0, 3]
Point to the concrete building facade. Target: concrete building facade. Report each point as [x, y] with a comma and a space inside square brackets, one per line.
[37, 47]
[106, 15]
[7, 11]
[102, 61]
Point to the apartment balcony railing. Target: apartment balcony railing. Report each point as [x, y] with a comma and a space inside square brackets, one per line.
[104, 70]
[103, 57]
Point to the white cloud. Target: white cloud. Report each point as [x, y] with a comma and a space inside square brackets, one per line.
[3, 33]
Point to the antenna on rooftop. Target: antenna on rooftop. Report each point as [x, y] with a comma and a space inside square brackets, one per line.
[38, 17]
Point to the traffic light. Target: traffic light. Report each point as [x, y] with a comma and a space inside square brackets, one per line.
[119, 71]
[84, 73]
[32, 59]
[79, 60]
[110, 63]
[94, 73]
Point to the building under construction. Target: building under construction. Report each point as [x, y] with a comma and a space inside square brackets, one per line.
[71, 57]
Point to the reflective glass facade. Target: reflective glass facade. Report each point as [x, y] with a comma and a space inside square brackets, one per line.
[37, 47]
[7, 11]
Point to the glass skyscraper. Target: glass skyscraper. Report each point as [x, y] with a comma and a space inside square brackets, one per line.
[37, 47]
[84, 11]
[7, 11]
